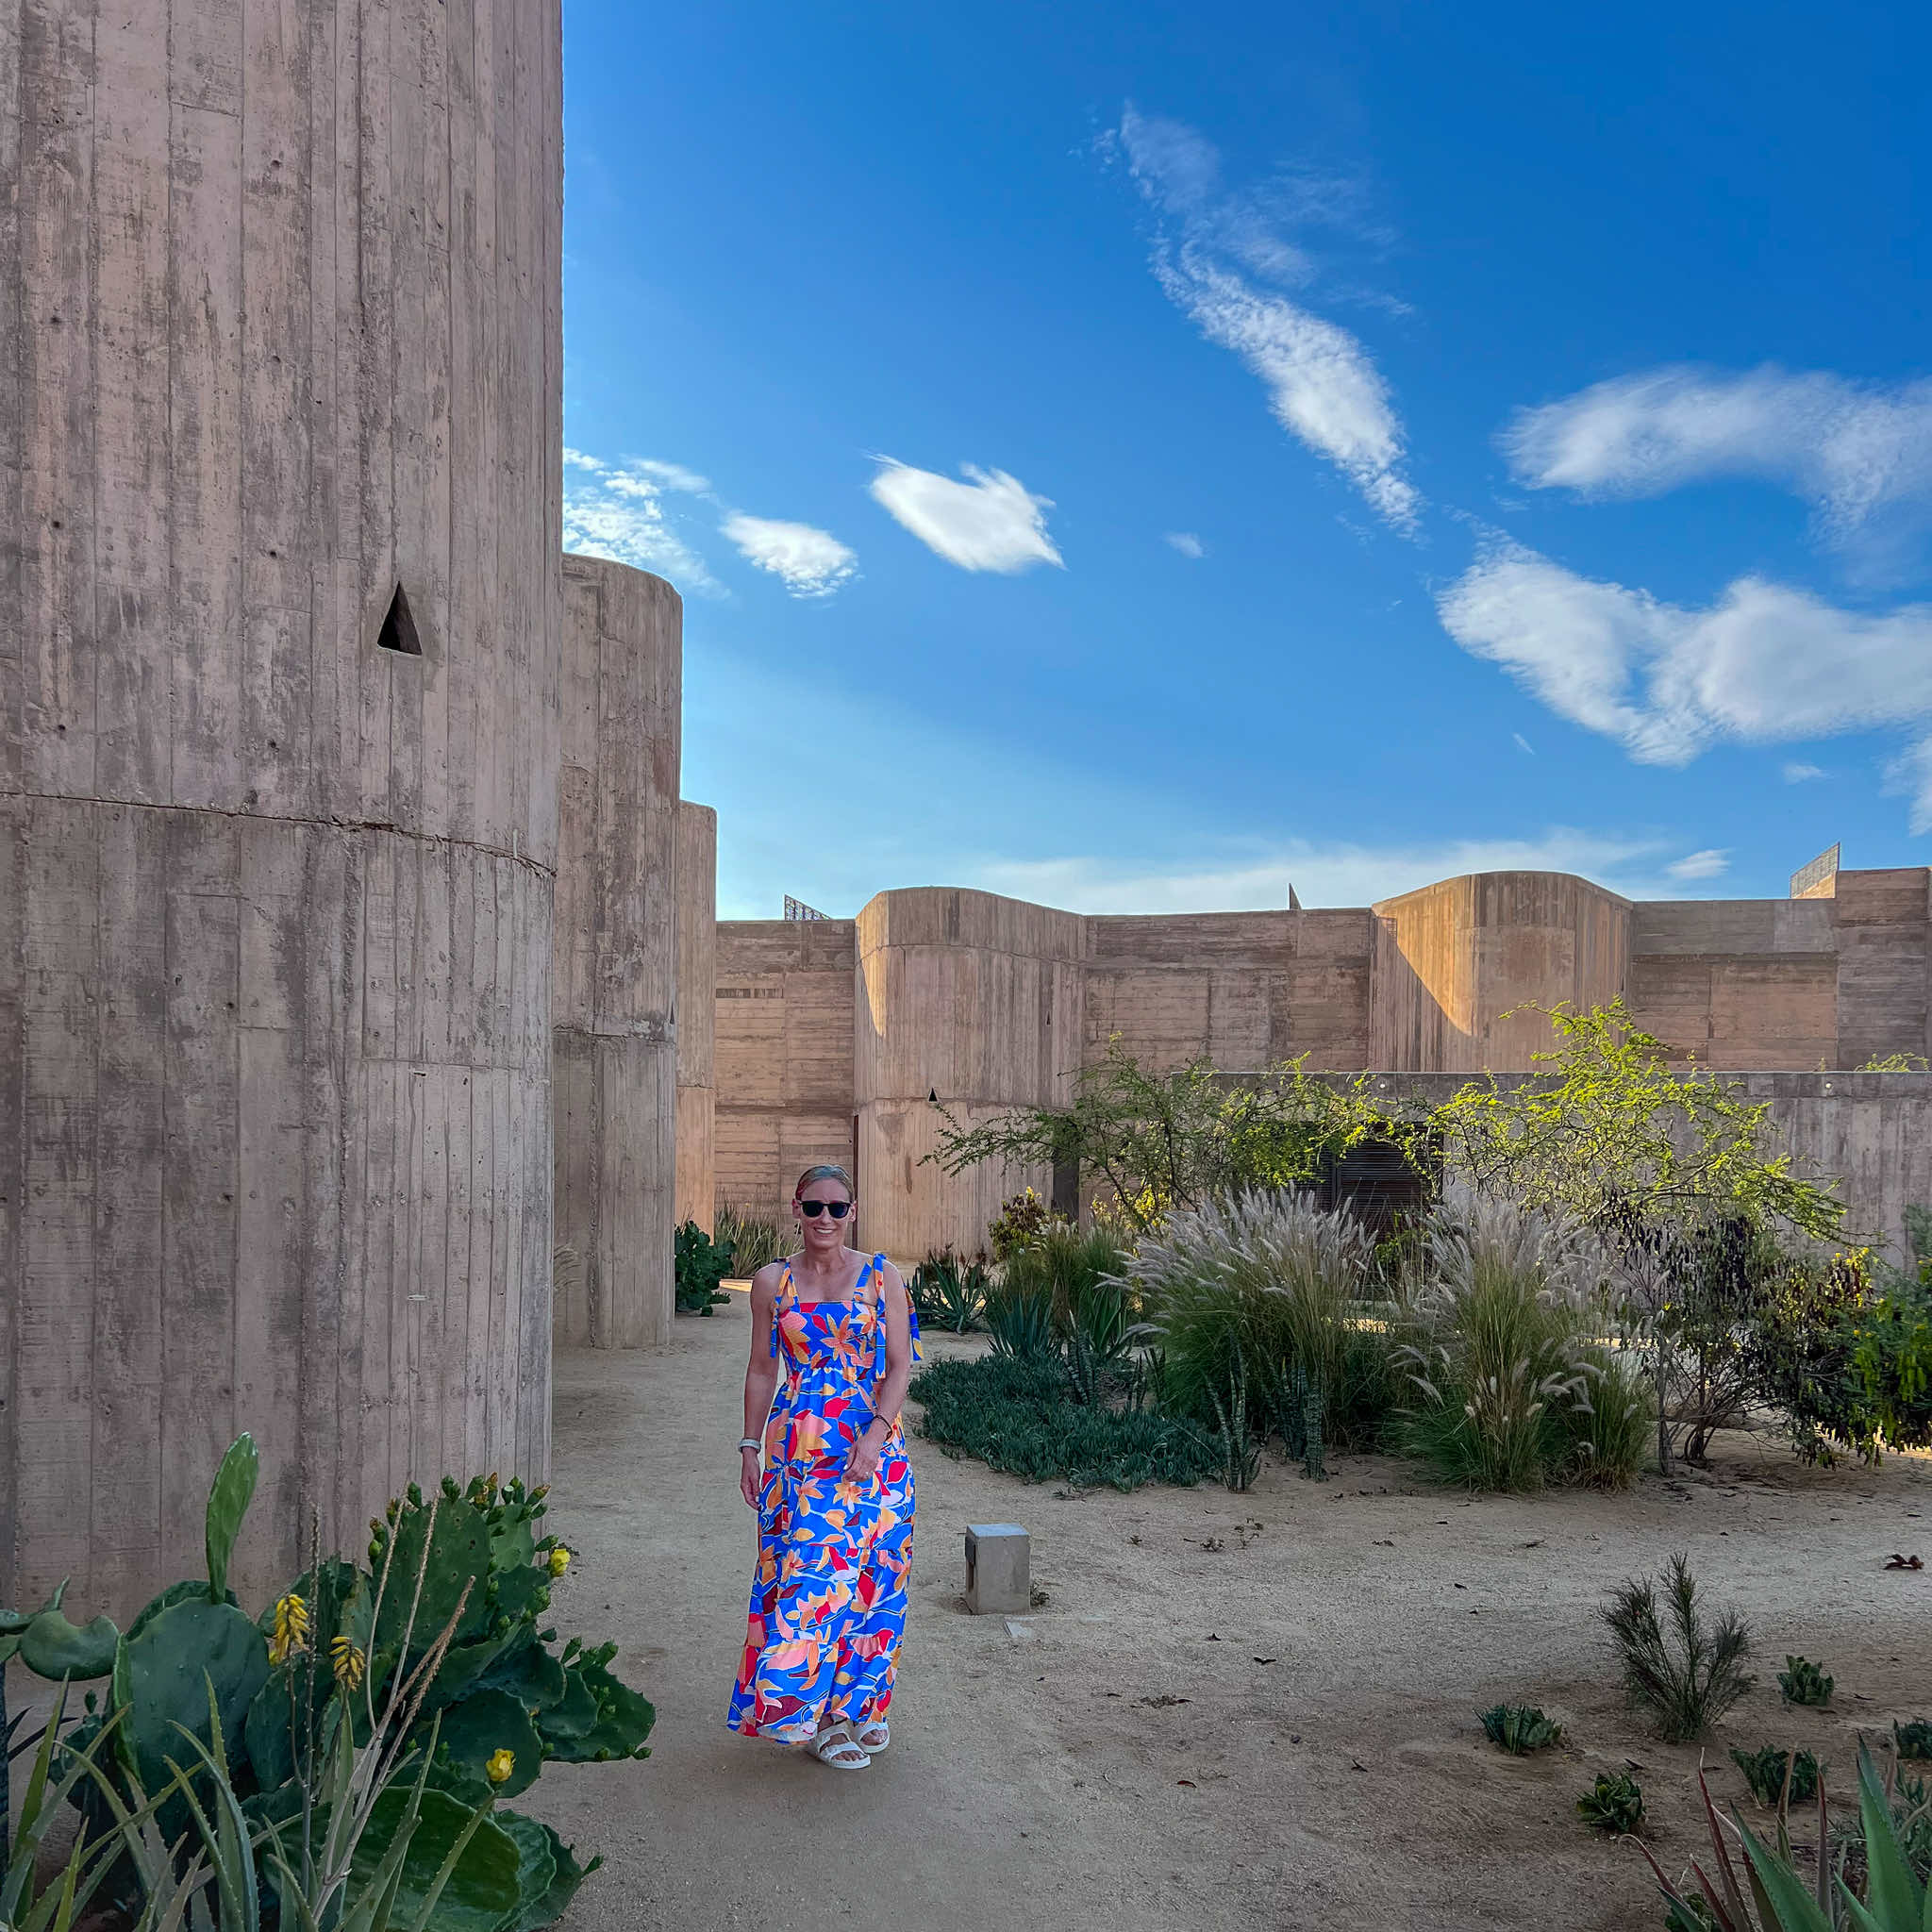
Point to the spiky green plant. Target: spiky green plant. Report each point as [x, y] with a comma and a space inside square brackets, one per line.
[949, 1294]
[1688, 1678]
[1520, 1728]
[1913, 1740]
[1804, 1682]
[754, 1239]
[1764, 1891]
[1240, 1453]
[1778, 1778]
[1614, 1803]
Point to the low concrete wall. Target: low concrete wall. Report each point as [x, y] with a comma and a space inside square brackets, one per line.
[1869, 1132]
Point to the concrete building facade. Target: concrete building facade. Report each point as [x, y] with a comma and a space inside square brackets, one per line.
[984, 1002]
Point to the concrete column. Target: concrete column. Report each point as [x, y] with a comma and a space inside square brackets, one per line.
[973, 998]
[615, 1101]
[280, 611]
[697, 1014]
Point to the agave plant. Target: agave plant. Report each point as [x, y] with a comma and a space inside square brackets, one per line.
[1614, 1803]
[1762, 1891]
[1520, 1728]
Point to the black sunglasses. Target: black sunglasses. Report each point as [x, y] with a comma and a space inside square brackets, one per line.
[812, 1210]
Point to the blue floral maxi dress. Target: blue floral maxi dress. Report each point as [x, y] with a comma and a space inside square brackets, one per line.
[828, 1597]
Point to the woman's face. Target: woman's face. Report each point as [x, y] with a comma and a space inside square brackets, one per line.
[821, 1233]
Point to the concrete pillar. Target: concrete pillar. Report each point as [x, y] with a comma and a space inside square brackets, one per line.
[976, 999]
[615, 1099]
[697, 1014]
[280, 611]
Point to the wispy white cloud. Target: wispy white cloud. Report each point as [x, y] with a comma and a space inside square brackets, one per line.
[616, 511]
[1187, 543]
[1858, 454]
[1213, 252]
[1910, 774]
[991, 522]
[1708, 864]
[1331, 875]
[1795, 774]
[619, 511]
[811, 563]
[1764, 664]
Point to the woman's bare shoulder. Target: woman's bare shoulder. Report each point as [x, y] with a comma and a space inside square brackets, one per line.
[765, 1282]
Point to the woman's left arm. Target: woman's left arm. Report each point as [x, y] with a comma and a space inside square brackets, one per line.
[888, 1397]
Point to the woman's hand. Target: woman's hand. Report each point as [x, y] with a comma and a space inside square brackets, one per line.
[863, 1463]
[748, 1476]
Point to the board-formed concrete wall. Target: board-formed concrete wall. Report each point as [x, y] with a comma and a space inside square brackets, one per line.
[1870, 1133]
[697, 1009]
[786, 1017]
[973, 998]
[284, 333]
[615, 1095]
[1425, 982]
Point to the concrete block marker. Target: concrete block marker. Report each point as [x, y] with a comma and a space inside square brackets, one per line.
[999, 1569]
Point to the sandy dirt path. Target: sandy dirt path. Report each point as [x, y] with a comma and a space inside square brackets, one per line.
[1252, 1711]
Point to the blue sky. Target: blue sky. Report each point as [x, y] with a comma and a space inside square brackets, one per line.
[1135, 456]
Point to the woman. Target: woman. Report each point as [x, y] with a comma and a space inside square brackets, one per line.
[835, 1499]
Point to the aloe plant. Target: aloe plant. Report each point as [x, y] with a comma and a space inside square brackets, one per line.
[1520, 1728]
[1804, 1682]
[1614, 1803]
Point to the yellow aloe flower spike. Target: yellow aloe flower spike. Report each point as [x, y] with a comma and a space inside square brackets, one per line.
[348, 1662]
[291, 1628]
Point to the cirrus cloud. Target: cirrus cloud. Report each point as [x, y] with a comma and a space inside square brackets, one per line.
[1211, 256]
[991, 522]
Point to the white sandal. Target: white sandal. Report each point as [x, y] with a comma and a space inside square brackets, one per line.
[873, 1736]
[837, 1747]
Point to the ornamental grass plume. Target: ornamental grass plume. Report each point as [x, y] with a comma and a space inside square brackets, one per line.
[1499, 1360]
[1267, 1277]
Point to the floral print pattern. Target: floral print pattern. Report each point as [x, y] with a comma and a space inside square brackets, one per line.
[828, 1596]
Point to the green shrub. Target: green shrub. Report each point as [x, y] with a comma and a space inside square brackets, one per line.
[1520, 1728]
[1022, 1221]
[1914, 1740]
[404, 1699]
[1803, 1682]
[948, 1293]
[1767, 1770]
[1501, 1377]
[699, 1264]
[1688, 1679]
[1014, 1413]
[755, 1240]
[1064, 1266]
[1614, 1803]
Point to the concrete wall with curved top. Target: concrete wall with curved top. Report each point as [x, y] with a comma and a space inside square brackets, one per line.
[614, 1097]
[977, 999]
[1455, 959]
[283, 288]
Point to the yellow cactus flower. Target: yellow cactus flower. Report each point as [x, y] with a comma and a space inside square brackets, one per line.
[291, 1628]
[347, 1662]
[560, 1560]
[501, 1764]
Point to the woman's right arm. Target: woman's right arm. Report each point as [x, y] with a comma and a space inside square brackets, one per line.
[760, 1379]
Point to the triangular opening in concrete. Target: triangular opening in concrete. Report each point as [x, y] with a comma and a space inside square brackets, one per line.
[398, 632]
